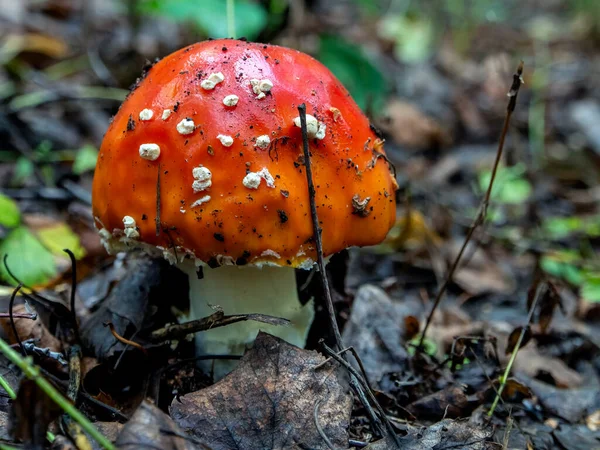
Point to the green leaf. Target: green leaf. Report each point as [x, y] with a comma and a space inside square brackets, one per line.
[413, 35]
[211, 15]
[27, 258]
[562, 227]
[23, 170]
[10, 216]
[348, 62]
[58, 237]
[563, 265]
[85, 159]
[590, 289]
[510, 186]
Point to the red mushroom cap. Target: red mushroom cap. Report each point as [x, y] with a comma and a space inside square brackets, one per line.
[218, 122]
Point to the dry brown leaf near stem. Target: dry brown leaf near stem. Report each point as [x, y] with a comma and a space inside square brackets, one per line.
[31, 329]
[410, 127]
[270, 401]
[478, 273]
[149, 427]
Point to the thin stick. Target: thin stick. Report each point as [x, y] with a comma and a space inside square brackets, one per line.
[317, 231]
[12, 319]
[483, 207]
[538, 293]
[18, 316]
[157, 220]
[73, 292]
[215, 320]
[123, 340]
[359, 384]
[318, 426]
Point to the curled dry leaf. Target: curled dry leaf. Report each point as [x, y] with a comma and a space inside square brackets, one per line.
[449, 402]
[269, 401]
[149, 427]
[447, 434]
[513, 338]
[31, 329]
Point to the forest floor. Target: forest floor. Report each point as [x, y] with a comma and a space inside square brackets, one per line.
[435, 81]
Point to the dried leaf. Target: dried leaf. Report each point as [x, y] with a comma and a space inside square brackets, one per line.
[513, 338]
[412, 128]
[449, 402]
[31, 414]
[269, 401]
[411, 327]
[149, 427]
[146, 282]
[375, 331]
[447, 434]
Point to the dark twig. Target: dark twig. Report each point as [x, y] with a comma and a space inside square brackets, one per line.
[364, 386]
[359, 384]
[31, 348]
[120, 338]
[157, 219]
[318, 426]
[317, 230]
[12, 319]
[73, 292]
[30, 316]
[483, 207]
[218, 319]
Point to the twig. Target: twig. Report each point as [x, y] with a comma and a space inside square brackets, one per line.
[157, 219]
[215, 320]
[318, 426]
[504, 378]
[12, 319]
[73, 292]
[28, 316]
[356, 381]
[369, 393]
[317, 231]
[30, 347]
[483, 207]
[33, 373]
[120, 338]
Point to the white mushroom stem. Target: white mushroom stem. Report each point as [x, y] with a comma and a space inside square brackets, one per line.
[243, 290]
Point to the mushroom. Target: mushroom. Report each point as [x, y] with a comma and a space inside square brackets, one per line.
[226, 197]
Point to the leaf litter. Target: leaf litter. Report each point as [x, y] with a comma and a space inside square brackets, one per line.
[444, 114]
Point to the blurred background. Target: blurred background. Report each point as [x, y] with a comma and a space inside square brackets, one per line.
[433, 75]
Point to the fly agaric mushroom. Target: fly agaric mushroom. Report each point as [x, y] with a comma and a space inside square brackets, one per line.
[203, 166]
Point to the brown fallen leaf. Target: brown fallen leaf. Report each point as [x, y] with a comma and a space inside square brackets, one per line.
[149, 427]
[446, 434]
[412, 128]
[478, 273]
[451, 402]
[376, 331]
[31, 329]
[514, 336]
[270, 401]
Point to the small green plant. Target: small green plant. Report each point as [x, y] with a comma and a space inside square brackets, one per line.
[210, 17]
[357, 73]
[32, 257]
